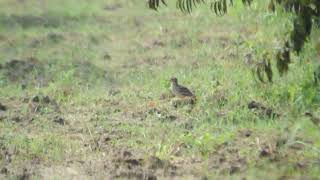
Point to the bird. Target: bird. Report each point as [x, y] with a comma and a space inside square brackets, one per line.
[314, 119]
[179, 90]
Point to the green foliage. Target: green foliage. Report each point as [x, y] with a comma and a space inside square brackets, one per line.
[307, 12]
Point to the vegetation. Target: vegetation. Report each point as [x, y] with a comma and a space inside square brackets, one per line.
[306, 14]
[84, 92]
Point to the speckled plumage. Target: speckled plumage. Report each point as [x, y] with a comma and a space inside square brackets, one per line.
[180, 91]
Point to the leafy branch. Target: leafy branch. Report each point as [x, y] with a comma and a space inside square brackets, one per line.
[307, 12]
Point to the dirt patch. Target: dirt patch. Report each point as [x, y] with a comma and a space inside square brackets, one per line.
[227, 160]
[180, 41]
[262, 110]
[60, 120]
[129, 165]
[112, 7]
[70, 171]
[42, 104]
[28, 21]
[51, 37]
[25, 72]
[2, 107]
[32, 72]
[153, 43]
[117, 164]
[26, 110]
[24, 171]
[236, 157]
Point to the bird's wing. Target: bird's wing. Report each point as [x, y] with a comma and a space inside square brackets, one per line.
[185, 91]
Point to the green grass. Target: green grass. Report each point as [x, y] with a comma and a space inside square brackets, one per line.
[119, 97]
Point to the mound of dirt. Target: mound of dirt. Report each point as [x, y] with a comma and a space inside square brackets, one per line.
[42, 104]
[25, 72]
[127, 165]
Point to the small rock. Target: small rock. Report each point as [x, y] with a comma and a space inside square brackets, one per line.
[172, 117]
[4, 171]
[264, 153]
[3, 107]
[255, 105]
[46, 100]
[59, 120]
[262, 109]
[246, 133]
[222, 159]
[107, 139]
[36, 99]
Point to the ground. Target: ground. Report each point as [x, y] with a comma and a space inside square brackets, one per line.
[85, 93]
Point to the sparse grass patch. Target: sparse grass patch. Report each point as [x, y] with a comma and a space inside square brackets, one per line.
[47, 147]
[102, 74]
